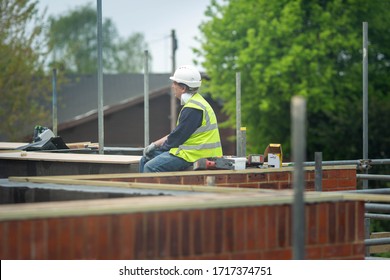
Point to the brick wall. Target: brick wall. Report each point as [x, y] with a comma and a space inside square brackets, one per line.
[334, 230]
[333, 179]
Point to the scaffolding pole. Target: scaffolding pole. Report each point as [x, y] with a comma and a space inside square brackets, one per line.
[298, 116]
[365, 119]
[146, 99]
[54, 102]
[238, 115]
[365, 97]
[100, 77]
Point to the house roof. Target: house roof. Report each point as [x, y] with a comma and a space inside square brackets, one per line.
[79, 97]
[111, 109]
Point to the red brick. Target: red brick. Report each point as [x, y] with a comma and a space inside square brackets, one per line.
[194, 180]
[262, 227]
[228, 230]
[240, 229]
[309, 186]
[3, 240]
[282, 254]
[342, 222]
[272, 231]
[137, 225]
[283, 225]
[175, 235]
[311, 224]
[337, 251]
[279, 176]
[209, 231]
[79, 240]
[225, 256]
[152, 180]
[171, 180]
[65, 242]
[313, 253]
[360, 220]
[162, 229]
[54, 239]
[251, 225]
[351, 222]
[186, 233]
[257, 177]
[151, 232]
[285, 185]
[271, 186]
[236, 178]
[90, 237]
[115, 238]
[247, 256]
[347, 173]
[219, 229]
[329, 184]
[197, 239]
[323, 223]
[221, 179]
[10, 243]
[39, 240]
[249, 185]
[24, 239]
[347, 182]
[359, 251]
[330, 174]
[104, 237]
[129, 228]
[332, 222]
[309, 176]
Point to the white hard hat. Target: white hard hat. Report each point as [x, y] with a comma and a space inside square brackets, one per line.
[188, 75]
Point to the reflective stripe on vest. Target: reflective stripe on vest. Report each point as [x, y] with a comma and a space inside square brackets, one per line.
[208, 126]
[208, 131]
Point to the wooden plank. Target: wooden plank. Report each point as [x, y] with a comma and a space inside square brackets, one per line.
[78, 145]
[69, 157]
[380, 248]
[140, 204]
[11, 145]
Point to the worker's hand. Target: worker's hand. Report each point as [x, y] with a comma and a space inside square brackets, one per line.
[149, 149]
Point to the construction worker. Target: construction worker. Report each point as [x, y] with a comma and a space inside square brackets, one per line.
[196, 134]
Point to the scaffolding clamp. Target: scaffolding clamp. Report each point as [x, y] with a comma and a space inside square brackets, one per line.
[364, 165]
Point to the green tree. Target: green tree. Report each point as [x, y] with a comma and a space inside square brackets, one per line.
[23, 86]
[73, 44]
[303, 47]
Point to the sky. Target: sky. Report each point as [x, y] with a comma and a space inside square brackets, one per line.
[155, 19]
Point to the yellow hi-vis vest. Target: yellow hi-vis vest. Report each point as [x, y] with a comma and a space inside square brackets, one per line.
[205, 141]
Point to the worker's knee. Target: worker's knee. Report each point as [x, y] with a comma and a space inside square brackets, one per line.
[148, 169]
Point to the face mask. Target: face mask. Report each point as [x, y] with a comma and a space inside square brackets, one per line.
[185, 97]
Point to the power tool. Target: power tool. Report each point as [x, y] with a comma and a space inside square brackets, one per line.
[228, 163]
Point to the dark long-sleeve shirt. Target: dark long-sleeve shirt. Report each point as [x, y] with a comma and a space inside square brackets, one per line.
[189, 121]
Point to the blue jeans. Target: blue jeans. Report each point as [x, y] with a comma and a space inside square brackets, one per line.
[161, 161]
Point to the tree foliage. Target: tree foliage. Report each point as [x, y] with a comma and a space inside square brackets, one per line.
[73, 44]
[23, 86]
[308, 48]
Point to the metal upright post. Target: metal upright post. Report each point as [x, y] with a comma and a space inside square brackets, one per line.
[242, 152]
[146, 99]
[298, 116]
[367, 231]
[365, 97]
[100, 77]
[318, 171]
[54, 101]
[173, 98]
[238, 115]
